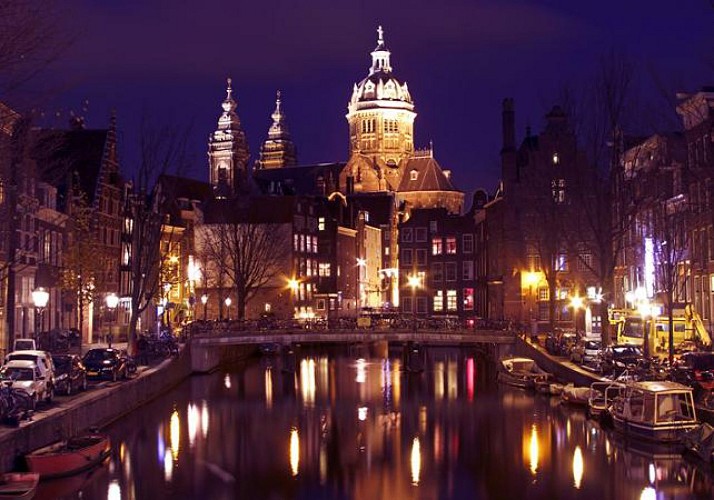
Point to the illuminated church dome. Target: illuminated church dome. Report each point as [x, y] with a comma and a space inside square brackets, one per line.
[380, 84]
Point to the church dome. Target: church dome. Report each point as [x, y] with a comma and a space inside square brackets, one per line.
[380, 88]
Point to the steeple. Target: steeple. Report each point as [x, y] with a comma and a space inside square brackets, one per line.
[380, 55]
[279, 150]
[228, 150]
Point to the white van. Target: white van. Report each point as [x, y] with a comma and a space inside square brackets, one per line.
[24, 345]
[42, 359]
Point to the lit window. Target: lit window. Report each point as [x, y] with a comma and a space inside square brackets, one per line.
[451, 304]
[439, 301]
[324, 269]
[413, 175]
[451, 245]
[321, 224]
[558, 188]
[437, 246]
[556, 159]
[468, 299]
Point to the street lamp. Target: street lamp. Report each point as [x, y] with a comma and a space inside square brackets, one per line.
[112, 302]
[294, 285]
[40, 297]
[414, 281]
[576, 303]
[204, 301]
[228, 302]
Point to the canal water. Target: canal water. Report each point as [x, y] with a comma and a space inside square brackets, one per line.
[344, 423]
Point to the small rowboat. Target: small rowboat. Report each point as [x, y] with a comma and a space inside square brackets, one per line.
[69, 457]
[18, 485]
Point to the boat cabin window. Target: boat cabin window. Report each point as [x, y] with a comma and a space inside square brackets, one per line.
[636, 404]
[673, 407]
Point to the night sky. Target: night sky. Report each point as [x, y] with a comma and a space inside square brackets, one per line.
[168, 60]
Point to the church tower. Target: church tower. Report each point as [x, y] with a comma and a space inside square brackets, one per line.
[278, 150]
[381, 123]
[228, 151]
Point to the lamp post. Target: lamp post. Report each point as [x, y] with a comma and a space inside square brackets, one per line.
[576, 303]
[112, 302]
[40, 297]
[228, 303]
[204, 301]
[414, 282]
[294, 285]
[531, 279]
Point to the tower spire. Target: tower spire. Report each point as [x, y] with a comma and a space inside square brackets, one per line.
[279, 150]
[380, 55]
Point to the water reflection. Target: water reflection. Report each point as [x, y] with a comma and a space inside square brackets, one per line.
[355, 426]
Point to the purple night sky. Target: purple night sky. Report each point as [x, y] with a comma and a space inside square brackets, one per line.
[169, 60]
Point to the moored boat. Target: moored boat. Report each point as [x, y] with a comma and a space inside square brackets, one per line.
[18, 485]
[602, 395]
[69, 457]
[573, 395]
[655, 411]
[521, 372]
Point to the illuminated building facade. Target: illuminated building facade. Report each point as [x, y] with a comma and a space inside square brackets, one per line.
[278, 150]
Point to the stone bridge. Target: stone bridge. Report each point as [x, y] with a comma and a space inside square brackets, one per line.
[205, 356]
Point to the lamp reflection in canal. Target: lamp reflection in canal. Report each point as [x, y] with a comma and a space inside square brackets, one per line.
[307, 381]
[192, 420]
[648, 493]
[204, 418]
[362, 413]
[470, 379]
[652, 473]
[452, 382]
[168, 467]
[294, 451]
[227, 381]
[114, 491]
[578, 467]
[174, 434]
[439, 380]
[416, 461]
[268, 387]
[533, 449]
[361, 371]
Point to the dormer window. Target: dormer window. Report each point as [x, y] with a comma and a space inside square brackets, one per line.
[413, 175]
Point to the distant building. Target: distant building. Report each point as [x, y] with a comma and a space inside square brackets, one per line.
[278, 150]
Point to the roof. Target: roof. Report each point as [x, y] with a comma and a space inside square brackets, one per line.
[662, 387]
[62, 153]
[300, 180]
[429, 176]
[380, 206]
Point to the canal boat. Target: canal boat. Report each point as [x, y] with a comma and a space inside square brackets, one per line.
[521, 372]
[576, 396]
[18, 485]
[602, 394]
[69, 457]
[660, 412]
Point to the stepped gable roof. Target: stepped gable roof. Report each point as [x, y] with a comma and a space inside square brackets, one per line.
[428, 176]
[63, 155]
[252, 209]
[300, 180]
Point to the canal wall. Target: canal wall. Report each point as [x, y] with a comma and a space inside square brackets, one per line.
[564, 371]
[95, 408]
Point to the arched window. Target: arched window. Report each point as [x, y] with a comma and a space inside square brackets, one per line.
[413, 175]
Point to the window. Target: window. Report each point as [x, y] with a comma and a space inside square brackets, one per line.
[451, 304]
[451, 245]
[451, 271]
[439, 301]
[421, 305]
[561, 262]
[421, 256]
[413, 175]
[433, 226]
[468, 299]
[314, 244]
[321, 224]
[467, 242]
[407, 305]
[437, 246]
[468, 270]
[556, 158]
[437, 272]
[558, 188]
[324, 269]
[407, 257]
[407, 234]
[420, 235]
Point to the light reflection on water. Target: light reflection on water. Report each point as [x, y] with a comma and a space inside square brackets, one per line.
[355, 426]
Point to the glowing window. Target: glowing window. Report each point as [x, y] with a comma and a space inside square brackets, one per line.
[556, 159]
[413, 175]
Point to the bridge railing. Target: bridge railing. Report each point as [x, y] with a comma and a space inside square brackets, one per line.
[402, 324]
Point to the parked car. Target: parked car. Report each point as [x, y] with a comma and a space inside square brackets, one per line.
[620, 356]
[105, 362]
[695, 369]
[70, 374]
[25, 375]
[586, 350]
[42, 359]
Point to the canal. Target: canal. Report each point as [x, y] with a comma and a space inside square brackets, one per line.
[346, 423]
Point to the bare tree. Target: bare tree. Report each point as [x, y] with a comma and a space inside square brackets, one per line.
[163, 150]
[251, 254]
